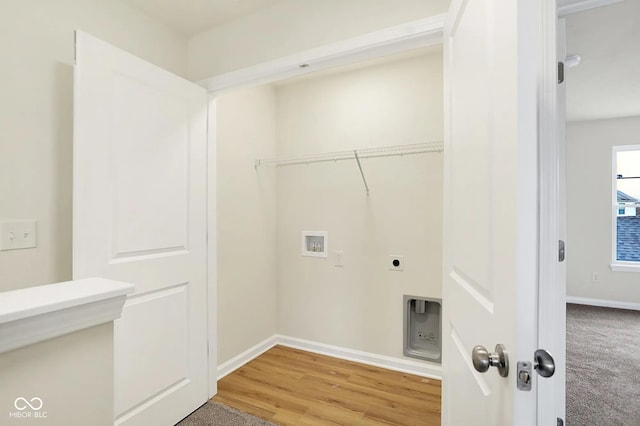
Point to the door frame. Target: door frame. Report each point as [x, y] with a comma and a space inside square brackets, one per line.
[397, 39]
[551, 283]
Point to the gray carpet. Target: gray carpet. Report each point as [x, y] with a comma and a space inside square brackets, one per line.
[603, 366]
[214, 413]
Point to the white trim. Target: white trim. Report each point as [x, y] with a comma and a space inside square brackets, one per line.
[551, 273]
[35, 314]
[603, 303]
[418, 368]
[212, 249]
[581, 5]
[400, 38]
[250, 354]
[617, 265]
[625, 267]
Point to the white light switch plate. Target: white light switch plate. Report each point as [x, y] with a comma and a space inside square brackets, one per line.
[18, 234]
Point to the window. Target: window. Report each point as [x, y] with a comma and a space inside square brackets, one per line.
[626, 208]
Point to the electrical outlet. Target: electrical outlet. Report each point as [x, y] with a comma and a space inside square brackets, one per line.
[595, 277]
[396, 263]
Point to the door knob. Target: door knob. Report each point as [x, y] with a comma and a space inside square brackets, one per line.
[483, 359]
[544, 363]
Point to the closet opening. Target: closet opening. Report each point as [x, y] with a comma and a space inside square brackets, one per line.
[348, 164]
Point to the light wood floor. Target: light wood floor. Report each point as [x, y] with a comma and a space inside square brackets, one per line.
[292, 387]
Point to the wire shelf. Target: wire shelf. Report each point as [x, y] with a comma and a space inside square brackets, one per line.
[357, 155]
[386, 151]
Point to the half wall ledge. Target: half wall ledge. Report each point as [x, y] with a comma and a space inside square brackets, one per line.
[35, 314]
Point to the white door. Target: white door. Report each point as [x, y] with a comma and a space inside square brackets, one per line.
[490, 208]
[139, 215]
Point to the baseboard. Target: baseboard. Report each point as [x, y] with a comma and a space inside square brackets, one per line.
[397, 364]
[239, 360]
[603, 303]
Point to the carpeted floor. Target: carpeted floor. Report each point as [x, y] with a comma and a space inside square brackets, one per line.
[603, 366]
[216, 414]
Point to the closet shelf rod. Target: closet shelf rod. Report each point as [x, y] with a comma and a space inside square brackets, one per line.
[387, 151]
[356, 154]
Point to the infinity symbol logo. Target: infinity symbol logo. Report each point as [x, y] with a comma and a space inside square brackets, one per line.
[22, 404]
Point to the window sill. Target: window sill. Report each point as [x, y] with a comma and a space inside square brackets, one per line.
[625, 267]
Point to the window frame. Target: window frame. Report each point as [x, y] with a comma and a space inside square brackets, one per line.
[618, 265]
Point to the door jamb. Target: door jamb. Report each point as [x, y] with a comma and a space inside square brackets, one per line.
[212, 249]
[551, 285]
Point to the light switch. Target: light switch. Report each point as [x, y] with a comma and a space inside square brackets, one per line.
[18, 234]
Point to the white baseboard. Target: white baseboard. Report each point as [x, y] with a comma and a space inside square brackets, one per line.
[397, 364]
[239, 360]
[418, 368]
[603, 303]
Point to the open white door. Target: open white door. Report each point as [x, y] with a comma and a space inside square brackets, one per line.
[139, 215]
[490, 208]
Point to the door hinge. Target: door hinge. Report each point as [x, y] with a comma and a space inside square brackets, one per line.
[560, 72]
[561, 251]
[560, 422]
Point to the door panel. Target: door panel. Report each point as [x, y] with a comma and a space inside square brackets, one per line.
[140, 216]
[490, 216]
[155, 196]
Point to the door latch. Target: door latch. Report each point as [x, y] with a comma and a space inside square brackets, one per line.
[524, 376]
[543, 364]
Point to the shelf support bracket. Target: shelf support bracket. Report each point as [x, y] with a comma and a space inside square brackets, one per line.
[361, 172]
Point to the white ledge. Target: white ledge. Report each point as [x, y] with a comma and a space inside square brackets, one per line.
[35, 314]
[625, 267]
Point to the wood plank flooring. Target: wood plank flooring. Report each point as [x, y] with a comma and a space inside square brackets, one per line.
[292, 387]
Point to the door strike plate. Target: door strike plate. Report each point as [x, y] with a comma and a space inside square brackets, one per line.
[524, 375]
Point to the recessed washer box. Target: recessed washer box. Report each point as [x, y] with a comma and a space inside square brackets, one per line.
[315, 243]
[423, 328]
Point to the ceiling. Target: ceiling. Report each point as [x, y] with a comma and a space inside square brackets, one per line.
[606, 84]
[193, 16]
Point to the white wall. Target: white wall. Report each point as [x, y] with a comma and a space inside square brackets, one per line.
[71, 374]
[246, 220]
[359, 305]
[589, 239]
[292, 26]
[36, 47]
